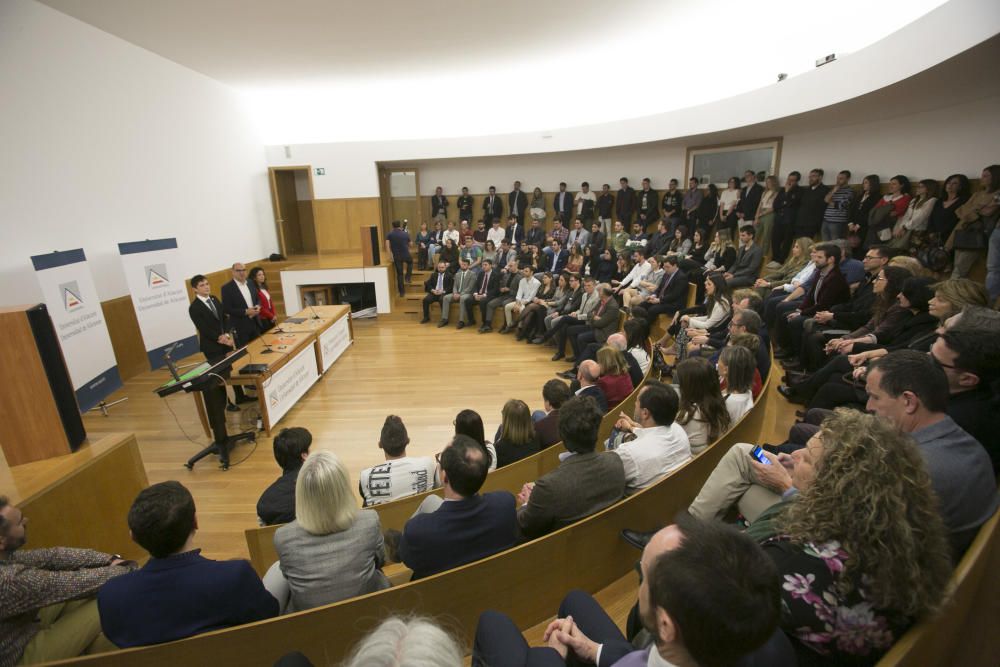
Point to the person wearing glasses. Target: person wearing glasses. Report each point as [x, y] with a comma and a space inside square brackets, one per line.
[241, 302]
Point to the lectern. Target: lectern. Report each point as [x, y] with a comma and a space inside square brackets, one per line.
[39, 416]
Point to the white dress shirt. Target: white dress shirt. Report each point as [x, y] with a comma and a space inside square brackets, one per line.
[654, 453]
[245, 291]
[526, 290]
[635, 275]
[496, 234]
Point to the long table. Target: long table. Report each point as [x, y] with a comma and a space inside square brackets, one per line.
[297, 352]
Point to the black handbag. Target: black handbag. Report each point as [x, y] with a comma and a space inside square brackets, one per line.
[972, 237]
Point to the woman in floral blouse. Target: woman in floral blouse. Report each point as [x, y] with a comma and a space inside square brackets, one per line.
[861, 546]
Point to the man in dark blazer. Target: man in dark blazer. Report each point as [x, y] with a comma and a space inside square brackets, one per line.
[745, 270]
[536, 234]
[669, 297]
[517, 202]
[465, 526]
[625, 203]
[505, 253]
[487, 287]
[439, 284]
[214, 341]
[557, 260]
[823, 291]
[439, 205]
[515, 231]
[492, 206]
[584, 483]
[241, 302]
[746, 208]
[178, 593]
[586, 384]
[648, 202]
[554, 394]
[562, 204]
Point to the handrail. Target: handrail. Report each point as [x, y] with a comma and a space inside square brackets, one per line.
[527, 582]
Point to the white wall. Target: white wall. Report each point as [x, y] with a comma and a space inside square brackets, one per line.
[943, 33]
[104, 142]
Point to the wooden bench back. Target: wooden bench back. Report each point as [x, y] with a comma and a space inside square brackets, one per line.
[526, 582]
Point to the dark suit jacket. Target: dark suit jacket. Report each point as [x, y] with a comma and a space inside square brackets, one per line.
[625, 203]
[431, 282]
[496, 211]
[652, 209]
[181, 596]
[597, 394]
[503, 258]
[749, 201]
[547, 429]
[834, 290]
[459, 532]
[562, 204]
[209, 328]
[492, 287]
[439, 204]
[522, 202]
[573, 303]
[236, 309]
[561, 266]
[747, 264]
[515, 233]
[582, 485]
[858, 310]
[606, 323]
[673, 295]
[536, 236]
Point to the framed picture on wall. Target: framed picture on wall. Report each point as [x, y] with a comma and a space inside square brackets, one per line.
[717, 164]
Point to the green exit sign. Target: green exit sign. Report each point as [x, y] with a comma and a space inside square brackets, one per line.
[320, 171]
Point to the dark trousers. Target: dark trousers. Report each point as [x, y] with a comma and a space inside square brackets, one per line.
[782, 236]
[559, 329]
[398, 263]
[428, 300]
[499, 643]
[579, 337]
[215, 407]
[650, 312]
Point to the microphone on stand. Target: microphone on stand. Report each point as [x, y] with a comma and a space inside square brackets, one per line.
[315, 316]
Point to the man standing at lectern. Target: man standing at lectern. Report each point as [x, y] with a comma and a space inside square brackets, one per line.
[210, 319]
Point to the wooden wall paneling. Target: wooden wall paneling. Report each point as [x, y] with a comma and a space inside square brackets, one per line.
[307, 226]
[330, 216]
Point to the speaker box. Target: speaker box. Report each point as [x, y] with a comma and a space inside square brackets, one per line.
[58, 375]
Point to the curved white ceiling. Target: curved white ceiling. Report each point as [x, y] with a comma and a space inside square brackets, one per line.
[319, 71]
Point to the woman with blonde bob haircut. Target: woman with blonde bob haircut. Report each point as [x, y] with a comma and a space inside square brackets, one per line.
[861, 547]
[333, 550]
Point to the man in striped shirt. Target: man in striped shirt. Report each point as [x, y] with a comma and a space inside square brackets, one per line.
[838, 201]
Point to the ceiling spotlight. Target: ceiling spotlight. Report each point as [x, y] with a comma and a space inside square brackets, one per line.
[782, 76]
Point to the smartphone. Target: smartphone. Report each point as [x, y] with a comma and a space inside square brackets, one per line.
[758, 454]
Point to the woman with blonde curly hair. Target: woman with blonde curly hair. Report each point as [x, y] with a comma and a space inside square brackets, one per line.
[861, 547]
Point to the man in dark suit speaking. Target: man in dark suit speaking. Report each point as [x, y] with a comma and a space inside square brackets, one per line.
[465, 526]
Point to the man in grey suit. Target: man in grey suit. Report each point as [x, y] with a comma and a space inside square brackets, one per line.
[464, 283]
[584, 483]
[601, 323]
[747, 266]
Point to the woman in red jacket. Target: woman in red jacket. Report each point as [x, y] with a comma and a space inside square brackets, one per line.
[615, 381]
[266, 319]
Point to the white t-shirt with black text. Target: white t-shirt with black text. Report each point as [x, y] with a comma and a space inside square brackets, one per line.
[397, 478]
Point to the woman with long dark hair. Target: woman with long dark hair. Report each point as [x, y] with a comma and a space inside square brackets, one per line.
[857, 215]
[468, 422]
[975, 218]
[702, 413]
[267, 318]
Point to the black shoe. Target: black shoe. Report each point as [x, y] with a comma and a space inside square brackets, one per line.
[567, 375]
[246, 399]
[519, 337]
[537, 340]
[485, 329]
[503, 329]
[442, 323]
[791, 364]
[571, 360]
[460, 325]
[425, 320]
[790, 394]
[636, 538]
[232, 408]
[557, 356]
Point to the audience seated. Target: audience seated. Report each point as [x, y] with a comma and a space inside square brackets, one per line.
[635, 334]
[750, 256]
[614, 380]
[516, 437]
[670, 295]
[825, 289]
[660, 444]
[601, 323]
[708, 596]
[464, 526]
[404, 642]
[400, 475]
[332, 551]
[47, 606]
[753, 344]
[554, 394]
[736, 368]
[178, 593]
[584, 483]
[277, 503]
[703, 320]
[702, 411]
[436, 286]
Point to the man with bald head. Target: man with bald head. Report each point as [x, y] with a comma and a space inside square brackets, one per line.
[587, 376]
[709, 596]
[241, 302]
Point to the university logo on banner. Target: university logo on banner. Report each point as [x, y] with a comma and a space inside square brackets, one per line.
[156, 276]
[72, 303]
[71, 296]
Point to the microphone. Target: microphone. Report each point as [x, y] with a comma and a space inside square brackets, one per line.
[232, 336]
[315, 316]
